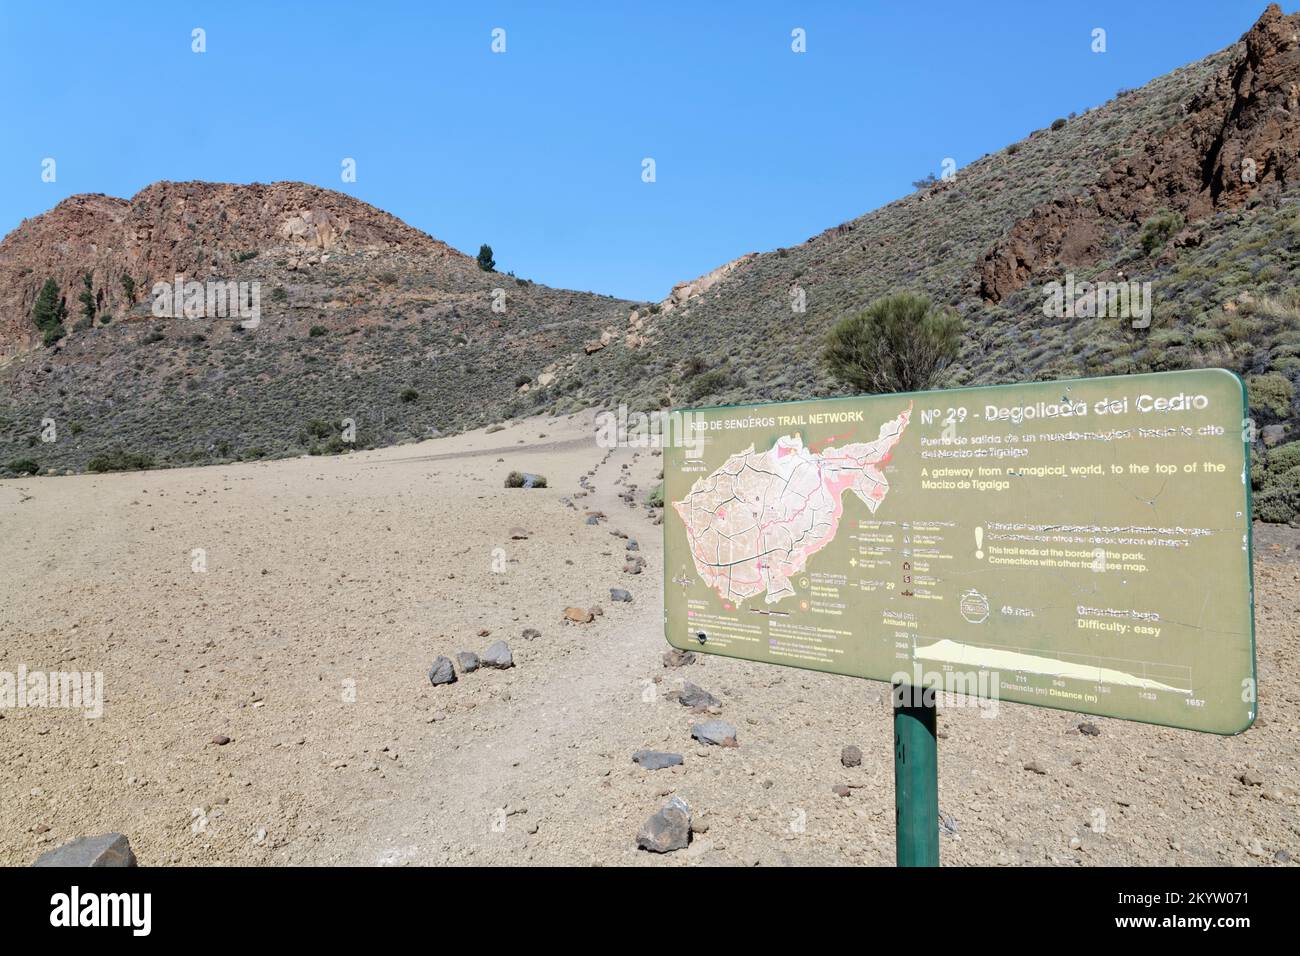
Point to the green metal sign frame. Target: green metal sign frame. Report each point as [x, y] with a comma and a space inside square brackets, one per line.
[1178, 440]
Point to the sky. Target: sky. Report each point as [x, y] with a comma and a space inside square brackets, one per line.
[540, 150]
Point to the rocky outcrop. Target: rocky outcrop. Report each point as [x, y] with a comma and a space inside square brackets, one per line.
[1061, 230]
[82, 233]
[685, 291]
[1239, 138]
[196, 229]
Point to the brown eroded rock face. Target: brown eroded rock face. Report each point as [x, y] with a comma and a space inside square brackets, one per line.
[195, 229]
[1240, 137]
[1065, 229]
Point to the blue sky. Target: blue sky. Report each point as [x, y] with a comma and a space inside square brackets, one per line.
[538, 150]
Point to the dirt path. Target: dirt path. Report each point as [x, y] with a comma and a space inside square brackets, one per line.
[495, 775]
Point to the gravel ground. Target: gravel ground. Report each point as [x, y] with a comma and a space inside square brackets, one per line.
[332, 583]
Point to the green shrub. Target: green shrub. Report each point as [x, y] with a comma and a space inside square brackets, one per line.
[409, 395]
[335, 446]
[485, 260]
[1279, 503]
[120, 460]
[316, 331]
[1158, 230]
[694, 365]
[1283, 458]
[1271, 393]
[898, 344]
[24, 466]
[710, 383]
[317, 428]
[520, 479]
[656, 497]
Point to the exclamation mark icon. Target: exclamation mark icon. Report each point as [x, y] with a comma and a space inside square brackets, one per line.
[979, 542]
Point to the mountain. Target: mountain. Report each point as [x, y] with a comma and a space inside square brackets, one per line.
[194, 229]
[360, 317]
[1189, 184]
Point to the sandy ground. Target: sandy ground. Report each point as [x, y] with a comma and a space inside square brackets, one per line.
[331, 585]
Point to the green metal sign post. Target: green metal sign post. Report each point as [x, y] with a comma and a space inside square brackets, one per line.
[916, 777]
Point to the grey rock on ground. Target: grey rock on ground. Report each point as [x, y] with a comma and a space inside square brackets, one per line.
[108, 849]
[715, 732]
[442, 672]
[619, 594]
[948, 824]
[531, 633]
[656, 759]
[497, 655]
[468, 661]
[1272, 434]
[667, 830]
[678, 658]
[632, 545]
[695, 696]
[851, 756]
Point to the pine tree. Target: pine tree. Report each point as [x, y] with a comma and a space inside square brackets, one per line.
[87, 297]
[49, 312]
[485, 260]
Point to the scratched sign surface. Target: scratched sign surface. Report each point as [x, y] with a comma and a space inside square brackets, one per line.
[1083, 545]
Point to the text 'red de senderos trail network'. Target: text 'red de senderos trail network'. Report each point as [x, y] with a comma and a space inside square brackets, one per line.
[755, 521]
